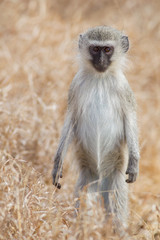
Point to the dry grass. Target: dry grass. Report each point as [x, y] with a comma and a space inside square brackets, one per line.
[37, 55]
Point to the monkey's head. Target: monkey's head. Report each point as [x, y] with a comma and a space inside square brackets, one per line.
[103, 48]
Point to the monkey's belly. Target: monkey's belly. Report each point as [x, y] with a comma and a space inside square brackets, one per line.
[101, 137]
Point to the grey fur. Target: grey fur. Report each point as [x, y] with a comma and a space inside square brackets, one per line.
[103, 33]
[101, 121]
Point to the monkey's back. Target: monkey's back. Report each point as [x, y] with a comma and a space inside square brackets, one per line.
[99, 129]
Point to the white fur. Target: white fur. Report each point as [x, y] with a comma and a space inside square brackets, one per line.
[102, 43]
[100, 116]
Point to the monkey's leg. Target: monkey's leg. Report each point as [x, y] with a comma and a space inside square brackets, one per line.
[86, 177]
[115, 194]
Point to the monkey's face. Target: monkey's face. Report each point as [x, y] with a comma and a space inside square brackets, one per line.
[103, 49]
[101, 56]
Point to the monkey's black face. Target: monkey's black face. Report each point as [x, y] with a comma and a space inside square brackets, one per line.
[101, 57]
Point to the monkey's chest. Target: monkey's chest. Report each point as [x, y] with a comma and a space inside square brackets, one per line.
[100, 126]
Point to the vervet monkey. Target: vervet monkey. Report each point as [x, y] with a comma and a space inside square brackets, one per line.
[101, 120]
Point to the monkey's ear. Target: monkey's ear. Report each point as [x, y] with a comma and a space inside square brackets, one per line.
[125, 43]
[80, 41]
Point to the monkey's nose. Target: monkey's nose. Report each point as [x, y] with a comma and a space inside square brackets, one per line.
[103, 61]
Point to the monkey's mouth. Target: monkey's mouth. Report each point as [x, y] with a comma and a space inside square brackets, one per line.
[100, 67]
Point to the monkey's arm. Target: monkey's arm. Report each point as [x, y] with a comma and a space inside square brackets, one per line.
[131, 133]
[65, 140]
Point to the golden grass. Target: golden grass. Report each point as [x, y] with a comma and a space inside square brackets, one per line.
[37, 63]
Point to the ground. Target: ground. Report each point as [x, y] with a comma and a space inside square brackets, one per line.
[38, 45]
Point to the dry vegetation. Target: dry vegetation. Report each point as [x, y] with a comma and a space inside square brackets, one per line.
[37, 63]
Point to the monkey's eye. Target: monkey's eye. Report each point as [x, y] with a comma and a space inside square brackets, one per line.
[108, 49]
[95, 49]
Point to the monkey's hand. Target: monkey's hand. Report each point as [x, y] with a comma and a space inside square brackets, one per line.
[132, 172]
[132, 177]
[132, 169]
[56, 174]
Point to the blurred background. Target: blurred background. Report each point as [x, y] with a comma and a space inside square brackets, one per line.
[38, 46]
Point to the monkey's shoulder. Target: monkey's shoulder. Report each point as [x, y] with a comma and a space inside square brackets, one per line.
[129, 98]
[75, 86]
[72, 90]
